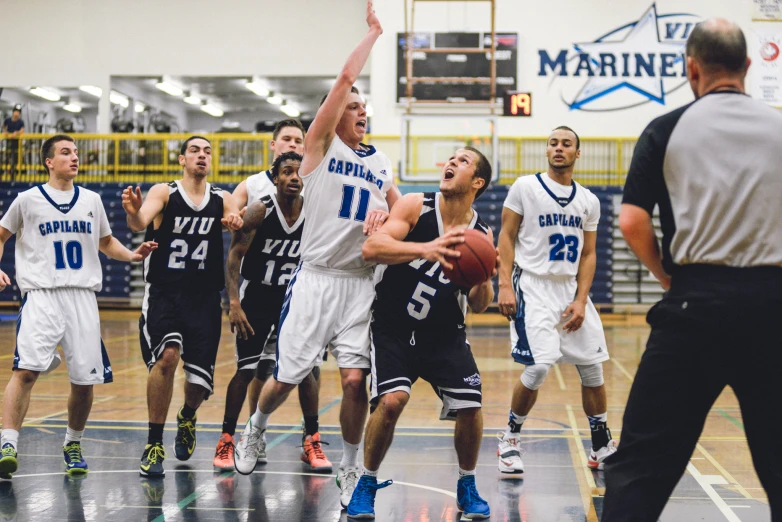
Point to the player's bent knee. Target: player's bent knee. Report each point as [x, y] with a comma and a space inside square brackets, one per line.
[26, 377]
[169, 357]
[591, 374]
[534, 375]
[354, 382]
[393, 403]
[246, 376]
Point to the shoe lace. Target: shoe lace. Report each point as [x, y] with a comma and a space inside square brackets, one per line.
[187, 424]
[8, 450]
[316, 449]
[254, 440]
[513, 442]
[363, 492]
[224, 450]
[156, 452]
[351, 478]
[74, 452]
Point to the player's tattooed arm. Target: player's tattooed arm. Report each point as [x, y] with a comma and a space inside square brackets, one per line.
[5, 235]
[511, 221]
[480, 296]
[141, 213]
[240, 244]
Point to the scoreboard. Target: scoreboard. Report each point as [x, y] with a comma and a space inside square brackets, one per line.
[449, 62]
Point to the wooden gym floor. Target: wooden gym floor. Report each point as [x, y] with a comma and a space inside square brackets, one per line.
[557, 486]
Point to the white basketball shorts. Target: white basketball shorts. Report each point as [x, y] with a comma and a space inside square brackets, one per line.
[324, 307]
[68, 317]
[537, 334]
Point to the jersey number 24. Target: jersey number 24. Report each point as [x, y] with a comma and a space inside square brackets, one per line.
[179, 248]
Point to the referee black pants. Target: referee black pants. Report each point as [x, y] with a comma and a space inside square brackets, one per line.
[716, 327]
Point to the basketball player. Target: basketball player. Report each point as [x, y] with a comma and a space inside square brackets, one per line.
[333, 282]
[288, 136]
[181, 314]
[551, 222]
[60, 229]
[418, 325]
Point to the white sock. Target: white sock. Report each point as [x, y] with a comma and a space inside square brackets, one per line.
[9, 436]
[464, 472]
[369, 473]
[72, 436]
[260, 419]
[349, 455]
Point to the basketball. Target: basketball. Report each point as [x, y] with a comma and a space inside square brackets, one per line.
[477, 261]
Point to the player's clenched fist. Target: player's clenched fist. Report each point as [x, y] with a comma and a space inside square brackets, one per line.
[232, 221]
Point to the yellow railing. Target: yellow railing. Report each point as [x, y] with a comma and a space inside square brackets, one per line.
[135, 158]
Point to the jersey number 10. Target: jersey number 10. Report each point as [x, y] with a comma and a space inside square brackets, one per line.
[72, 254]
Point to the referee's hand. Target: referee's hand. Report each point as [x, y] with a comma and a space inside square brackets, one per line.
[4, 280]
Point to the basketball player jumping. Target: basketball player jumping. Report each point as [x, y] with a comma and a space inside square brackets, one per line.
[181, 315]
[418, 325]
[60, 229]
[256, 355]
[333, 282]
[551, 223]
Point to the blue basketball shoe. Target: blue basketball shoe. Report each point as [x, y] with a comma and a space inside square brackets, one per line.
[468, 500]
[74, 460]
[362, 503]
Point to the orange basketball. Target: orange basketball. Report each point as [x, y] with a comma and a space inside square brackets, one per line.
[477, 260]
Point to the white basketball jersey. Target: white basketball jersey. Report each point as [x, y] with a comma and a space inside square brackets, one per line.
[57, 242]
[343, 189]
[259, 185]
[554, 218]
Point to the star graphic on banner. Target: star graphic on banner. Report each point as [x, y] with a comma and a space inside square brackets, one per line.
[644, 39]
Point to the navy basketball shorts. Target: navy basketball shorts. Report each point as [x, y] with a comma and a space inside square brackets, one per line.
[442, 357]
[190, 318]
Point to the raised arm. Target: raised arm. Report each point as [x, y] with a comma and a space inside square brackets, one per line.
[387, 245]
[141, 214]
[480, 296]
[323, 128]
[5, 235]
[240, 243]
[511, 221]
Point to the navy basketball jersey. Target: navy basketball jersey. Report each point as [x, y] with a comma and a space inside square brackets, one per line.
[417, 293]
[274, 253]
[190, 241]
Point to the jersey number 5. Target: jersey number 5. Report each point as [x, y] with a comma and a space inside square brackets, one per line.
[179, 251]
[348, 192]
[419, 298]
[563, 246]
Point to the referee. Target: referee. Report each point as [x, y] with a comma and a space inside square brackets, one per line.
[714, 169]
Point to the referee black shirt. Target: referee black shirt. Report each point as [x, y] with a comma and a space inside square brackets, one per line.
[714, 168]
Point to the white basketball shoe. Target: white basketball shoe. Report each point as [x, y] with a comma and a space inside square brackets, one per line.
[509, 453]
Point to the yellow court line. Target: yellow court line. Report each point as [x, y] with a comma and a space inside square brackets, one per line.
[560, 380]
[724, 472]
[622, 369]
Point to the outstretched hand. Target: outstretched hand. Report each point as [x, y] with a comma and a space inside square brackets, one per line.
[131, 200]
[143, 251]
[372, 20]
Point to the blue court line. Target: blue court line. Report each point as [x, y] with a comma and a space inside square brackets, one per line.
[182, 504]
